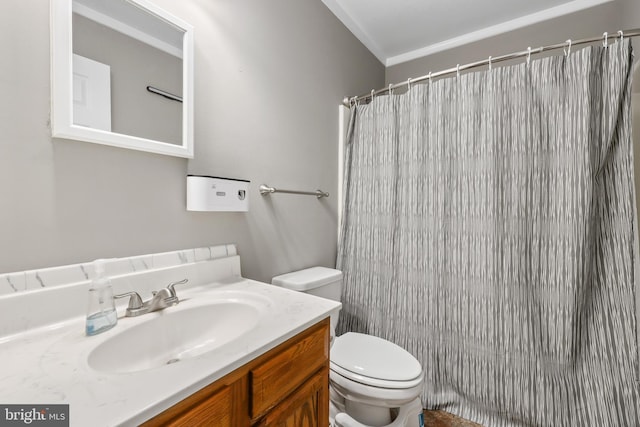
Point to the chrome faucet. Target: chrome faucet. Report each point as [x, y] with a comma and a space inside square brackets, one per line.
[165, 297]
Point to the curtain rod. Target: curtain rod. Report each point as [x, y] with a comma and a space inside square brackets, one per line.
[566, 45]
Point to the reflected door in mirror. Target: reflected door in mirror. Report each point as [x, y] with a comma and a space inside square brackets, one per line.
[91, 93]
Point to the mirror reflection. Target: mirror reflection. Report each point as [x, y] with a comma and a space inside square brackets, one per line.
[118, 51]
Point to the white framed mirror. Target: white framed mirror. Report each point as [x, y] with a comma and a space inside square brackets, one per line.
[122, 75]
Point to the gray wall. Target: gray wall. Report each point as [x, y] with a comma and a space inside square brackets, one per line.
[586, 23]
[630, 14]
[269, 79]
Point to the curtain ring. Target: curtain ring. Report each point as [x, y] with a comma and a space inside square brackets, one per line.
[458, 70]
[605, 42]
[373, 94]
[490, 62]
[430, 81]
[621, 35]
[409, 84]
[352, 101]
[390, 90]
[567, 51]
[529, 55]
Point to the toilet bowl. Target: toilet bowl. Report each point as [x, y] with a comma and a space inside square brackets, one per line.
[373, 382]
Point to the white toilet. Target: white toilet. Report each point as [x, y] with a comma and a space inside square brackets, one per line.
[373, 382]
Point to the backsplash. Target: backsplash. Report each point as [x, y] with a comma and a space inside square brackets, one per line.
[11, 283]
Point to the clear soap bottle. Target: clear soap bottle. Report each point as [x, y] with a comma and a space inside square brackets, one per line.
[101, 313]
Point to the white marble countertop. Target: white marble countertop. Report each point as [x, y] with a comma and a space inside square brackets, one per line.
[48, 365]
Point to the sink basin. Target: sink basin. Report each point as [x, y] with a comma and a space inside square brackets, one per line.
[184, 331]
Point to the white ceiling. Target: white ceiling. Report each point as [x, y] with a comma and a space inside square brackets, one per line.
[396, 31]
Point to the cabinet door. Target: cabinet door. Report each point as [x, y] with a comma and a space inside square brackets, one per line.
[274, 379]
[308, 406]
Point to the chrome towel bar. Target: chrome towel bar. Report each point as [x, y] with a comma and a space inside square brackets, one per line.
[164, 93]
[265, 189]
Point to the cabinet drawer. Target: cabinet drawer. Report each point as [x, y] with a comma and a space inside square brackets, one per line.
[216, 410]
[221, 404]
[277, 377]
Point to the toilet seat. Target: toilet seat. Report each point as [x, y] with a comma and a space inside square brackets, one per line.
[382, 396]
[375, 382]
[374, 362]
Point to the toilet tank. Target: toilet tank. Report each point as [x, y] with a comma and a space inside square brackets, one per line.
[320, 281]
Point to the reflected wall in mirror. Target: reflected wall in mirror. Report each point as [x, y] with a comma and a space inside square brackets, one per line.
[108, 59]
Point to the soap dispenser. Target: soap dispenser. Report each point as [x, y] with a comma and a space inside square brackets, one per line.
[101, 314]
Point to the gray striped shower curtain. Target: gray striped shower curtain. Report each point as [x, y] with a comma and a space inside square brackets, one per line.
[488, 228]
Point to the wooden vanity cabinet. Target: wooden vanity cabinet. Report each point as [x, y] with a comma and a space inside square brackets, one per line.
[287, 386]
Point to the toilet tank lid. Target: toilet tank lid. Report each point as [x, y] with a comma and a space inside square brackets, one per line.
[309, 278]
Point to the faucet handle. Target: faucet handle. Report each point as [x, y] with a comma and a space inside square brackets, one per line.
[135, 306]
[134, 302]
[172, 288]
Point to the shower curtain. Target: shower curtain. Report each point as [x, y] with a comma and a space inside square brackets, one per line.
[488, 228]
